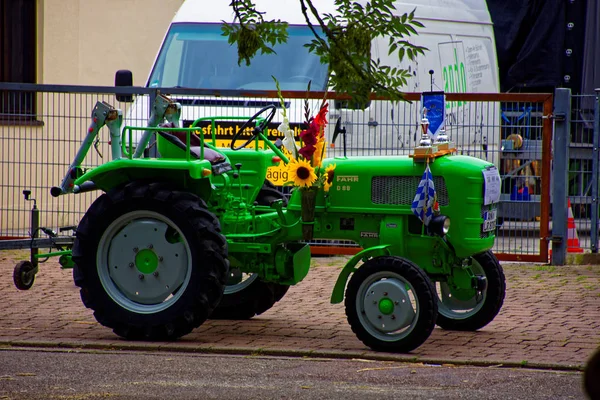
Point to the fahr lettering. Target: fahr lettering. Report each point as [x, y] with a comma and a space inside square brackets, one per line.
[347, 178]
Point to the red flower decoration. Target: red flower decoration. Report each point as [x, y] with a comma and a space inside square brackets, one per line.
[307, 151]
[321, 118]
[309, 136]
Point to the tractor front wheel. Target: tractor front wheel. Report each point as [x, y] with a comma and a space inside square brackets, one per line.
[150, 262]
[247, 295]
[390, 304]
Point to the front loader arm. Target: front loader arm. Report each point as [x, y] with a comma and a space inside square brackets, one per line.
[102, 114]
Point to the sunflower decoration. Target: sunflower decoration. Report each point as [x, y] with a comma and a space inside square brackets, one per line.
[302, 173]
[305, 168]
[329, 175]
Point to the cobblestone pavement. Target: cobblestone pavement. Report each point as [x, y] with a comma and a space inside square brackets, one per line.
[550, 319]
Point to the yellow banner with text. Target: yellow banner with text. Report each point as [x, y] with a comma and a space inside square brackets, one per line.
[224, 131]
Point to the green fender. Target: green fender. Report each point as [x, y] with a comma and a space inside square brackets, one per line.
[185, 174]
[338, 290]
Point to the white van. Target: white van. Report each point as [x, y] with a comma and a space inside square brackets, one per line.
[461, 58]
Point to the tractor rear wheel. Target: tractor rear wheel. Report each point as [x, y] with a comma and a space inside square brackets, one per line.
[150, 262]
[246, 295]
[469, 310]
[390, 304]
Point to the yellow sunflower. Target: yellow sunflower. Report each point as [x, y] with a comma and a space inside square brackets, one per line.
[302, 173]
[329, 175]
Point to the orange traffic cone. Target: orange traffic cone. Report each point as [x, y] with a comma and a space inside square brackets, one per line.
[572, 236]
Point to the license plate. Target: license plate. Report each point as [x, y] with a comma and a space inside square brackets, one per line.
[489, 221]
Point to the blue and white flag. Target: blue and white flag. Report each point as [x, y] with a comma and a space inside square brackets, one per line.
[422, 205]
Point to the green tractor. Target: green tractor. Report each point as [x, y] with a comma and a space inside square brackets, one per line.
[197, 233]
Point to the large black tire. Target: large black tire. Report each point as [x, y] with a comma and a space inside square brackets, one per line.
[150, 262]
[591, 376]
[469, 310]
[247, 295]
[390, 304]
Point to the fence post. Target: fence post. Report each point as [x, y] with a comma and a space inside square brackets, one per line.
[595, 175]
[152, 145]
[560, 148]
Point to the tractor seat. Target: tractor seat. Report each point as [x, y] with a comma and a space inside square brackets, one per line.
[214, 157]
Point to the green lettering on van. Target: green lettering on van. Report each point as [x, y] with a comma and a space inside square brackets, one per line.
[455, 80]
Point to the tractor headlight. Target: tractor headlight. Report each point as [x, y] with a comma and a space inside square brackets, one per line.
[439, 225]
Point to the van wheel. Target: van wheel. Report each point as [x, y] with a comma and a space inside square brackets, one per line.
[247, 295]
[150, 262]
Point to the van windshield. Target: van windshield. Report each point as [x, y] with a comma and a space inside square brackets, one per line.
[198, 56]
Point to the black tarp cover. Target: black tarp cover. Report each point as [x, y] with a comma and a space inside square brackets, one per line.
[545, 44]
[530, 36]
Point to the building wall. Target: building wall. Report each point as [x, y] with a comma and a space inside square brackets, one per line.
[84, 42]
[80, 42]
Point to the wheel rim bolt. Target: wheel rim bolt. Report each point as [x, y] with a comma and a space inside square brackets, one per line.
[150, 246]
[393, 317]
[155, 273]
[396, 303]
[160, 258]
[141, 276]
[135, 249]
[131, 265]
[379, 317]
[385, 293]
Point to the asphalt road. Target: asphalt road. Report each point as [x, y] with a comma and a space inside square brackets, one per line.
[55, 374]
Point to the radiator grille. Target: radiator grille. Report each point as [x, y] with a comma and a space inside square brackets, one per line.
[400, 190]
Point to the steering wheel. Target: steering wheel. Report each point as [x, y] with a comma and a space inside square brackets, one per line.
[257, 129]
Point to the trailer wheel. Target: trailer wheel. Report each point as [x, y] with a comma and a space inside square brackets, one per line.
[469, 310]
[246, 295]
[24, 275]
[150, 262]
[390, 304]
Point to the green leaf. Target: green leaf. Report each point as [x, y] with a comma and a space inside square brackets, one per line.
[342, 40]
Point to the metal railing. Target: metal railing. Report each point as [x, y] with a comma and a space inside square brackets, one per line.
[41, 128]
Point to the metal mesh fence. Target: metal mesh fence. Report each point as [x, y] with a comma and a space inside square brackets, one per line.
[583, 171]
[37, 143]
[42, 126]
